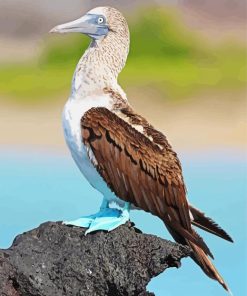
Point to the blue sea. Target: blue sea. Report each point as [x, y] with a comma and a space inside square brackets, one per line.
[37, 187]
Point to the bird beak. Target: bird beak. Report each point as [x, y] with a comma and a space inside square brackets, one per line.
[85, 25]
[81, 25]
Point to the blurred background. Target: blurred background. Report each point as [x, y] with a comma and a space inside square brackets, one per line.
[186, 73]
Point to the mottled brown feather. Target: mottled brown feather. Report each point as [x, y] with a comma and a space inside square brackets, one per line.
[207, 224]
[158, 186]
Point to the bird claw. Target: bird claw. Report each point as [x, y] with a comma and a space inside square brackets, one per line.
[108, 223]
[84, 222]
[107, 219]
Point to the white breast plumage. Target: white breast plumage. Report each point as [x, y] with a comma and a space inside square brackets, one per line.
[72, 114]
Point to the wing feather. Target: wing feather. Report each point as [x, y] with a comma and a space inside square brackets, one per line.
[138, 170]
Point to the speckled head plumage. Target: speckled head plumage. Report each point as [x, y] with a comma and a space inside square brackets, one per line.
[97, 23]
[109, 48]
[114, 20]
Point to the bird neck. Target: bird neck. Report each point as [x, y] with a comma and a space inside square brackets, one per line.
[100, 66]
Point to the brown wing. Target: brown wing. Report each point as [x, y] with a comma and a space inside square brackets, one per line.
[139, 171]
[207, 224]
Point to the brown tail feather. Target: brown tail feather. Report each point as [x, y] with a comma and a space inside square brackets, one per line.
[200, 257]
[206, 265]
[207, 224]
[191, 235]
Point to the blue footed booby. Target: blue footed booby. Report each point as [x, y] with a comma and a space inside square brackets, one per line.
[120, 154]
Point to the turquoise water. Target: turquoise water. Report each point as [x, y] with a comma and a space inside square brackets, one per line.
[36, 187]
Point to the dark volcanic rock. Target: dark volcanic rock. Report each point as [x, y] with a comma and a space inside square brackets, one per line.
[57, 260]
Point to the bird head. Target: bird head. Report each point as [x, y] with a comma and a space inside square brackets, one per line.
[98, 23]
[110, 34]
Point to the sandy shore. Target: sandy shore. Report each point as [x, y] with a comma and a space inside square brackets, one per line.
[216, 120]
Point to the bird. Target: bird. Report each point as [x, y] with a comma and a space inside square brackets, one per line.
[118, 151]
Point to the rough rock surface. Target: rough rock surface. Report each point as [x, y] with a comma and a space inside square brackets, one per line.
[57, 260]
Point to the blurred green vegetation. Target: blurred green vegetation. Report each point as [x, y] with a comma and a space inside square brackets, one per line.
[163, 55]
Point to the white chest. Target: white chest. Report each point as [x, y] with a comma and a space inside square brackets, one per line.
[72, 114]
[73, 111]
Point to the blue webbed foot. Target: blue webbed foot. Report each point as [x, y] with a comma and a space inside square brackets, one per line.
[106, 219]
[84, 222]
[109, 222]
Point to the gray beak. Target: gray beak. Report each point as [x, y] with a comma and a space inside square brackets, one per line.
[81, 25]
[86, 25]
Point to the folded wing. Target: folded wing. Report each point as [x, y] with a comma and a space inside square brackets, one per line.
[139, 171]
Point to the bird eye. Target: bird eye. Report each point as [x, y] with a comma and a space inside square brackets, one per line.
[101, 20]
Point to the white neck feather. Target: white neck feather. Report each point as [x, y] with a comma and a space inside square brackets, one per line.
[99, 67]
